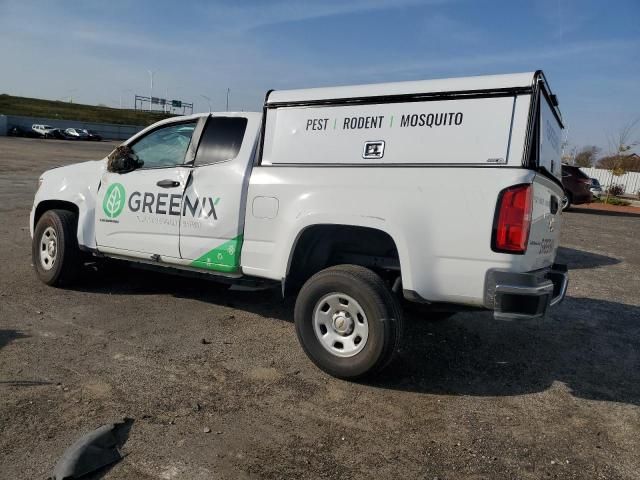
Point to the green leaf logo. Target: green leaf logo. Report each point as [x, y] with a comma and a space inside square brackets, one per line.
[113, 202]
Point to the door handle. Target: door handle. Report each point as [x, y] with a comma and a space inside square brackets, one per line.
[168, 183]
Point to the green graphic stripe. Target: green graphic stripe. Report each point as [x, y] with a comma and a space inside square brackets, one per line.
[224, 258]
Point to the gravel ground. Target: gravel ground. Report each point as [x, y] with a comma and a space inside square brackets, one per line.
[219, 387]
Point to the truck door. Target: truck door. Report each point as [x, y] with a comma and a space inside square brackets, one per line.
[138, 213]
[214, 201]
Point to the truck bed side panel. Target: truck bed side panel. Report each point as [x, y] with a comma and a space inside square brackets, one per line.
[431, 214]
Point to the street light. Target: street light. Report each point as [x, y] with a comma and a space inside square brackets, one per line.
[151, 72]
[208, 101]
[228, 92]
[70, 94]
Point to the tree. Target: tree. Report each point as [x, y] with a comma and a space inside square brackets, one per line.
[569, 154]
[586, 156]
[629, 163]
[621, 144]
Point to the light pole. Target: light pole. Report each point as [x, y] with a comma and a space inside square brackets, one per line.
[208, 101]
[165, 107]
[228, 92]
[151, 72]
[70, 94]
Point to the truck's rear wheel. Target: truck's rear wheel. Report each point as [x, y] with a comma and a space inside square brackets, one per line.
[348, 321]
[55, 252]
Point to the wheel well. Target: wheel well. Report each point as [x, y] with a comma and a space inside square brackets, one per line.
[323, 246]
[53, 205]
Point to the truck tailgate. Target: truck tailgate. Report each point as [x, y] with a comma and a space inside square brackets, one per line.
[546, 218]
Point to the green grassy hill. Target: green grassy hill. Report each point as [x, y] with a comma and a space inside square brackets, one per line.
[35, 107]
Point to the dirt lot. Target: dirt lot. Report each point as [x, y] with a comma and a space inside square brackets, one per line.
[469, 398]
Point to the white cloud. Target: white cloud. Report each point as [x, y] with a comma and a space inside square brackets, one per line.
[239, 16]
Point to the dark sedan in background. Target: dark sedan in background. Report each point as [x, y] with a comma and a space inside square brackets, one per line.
[577, 186]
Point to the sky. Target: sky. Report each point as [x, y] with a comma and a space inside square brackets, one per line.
[99, 52]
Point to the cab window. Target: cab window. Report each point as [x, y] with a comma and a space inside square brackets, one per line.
[221, 140]
[166, 146]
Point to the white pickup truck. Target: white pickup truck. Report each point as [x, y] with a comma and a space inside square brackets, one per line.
[355, 199]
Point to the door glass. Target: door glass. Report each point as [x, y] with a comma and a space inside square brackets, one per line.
[165, 147]
[221, 140]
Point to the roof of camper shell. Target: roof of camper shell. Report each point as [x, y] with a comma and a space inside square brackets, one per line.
[442, 85]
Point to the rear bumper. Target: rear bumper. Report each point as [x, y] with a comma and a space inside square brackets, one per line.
[514, 296]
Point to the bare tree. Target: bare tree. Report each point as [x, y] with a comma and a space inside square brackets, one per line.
[630, 163]
[586, 156]
[569, 154]
[620, 144]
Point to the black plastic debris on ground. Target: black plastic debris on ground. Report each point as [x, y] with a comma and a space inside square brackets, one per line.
[93, 451]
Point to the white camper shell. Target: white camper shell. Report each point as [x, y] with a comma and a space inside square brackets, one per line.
[355, 199]
[475, 121]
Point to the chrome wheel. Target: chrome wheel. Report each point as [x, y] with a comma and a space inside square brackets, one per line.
[48, 248]
[340, 325]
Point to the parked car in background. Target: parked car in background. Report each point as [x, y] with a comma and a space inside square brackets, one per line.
[91, 135]
[596, 188]
[21, 132]
[59, 134]
[76, 133]
[577, 186]
[44, 131]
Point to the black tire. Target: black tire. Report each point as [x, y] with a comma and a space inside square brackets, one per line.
[67, 262]
[567, 201]
[383, 317]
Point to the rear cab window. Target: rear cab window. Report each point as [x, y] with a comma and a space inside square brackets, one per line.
[221, 140]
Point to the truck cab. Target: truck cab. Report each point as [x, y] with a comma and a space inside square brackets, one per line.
[184, 204]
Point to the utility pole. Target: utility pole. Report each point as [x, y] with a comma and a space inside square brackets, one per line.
[151, 72]
[228, 92]
[70, 93]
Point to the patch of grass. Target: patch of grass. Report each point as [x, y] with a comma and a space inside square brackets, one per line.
[612, 201]
[53, 109]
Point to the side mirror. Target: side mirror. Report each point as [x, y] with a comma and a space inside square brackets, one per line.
[123, 160]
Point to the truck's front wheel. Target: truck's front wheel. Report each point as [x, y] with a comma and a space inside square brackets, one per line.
[55, 252]
[348, 321]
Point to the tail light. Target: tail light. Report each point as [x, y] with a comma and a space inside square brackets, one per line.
[512, 220]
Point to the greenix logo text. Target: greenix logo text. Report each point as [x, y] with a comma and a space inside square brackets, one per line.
[114, 200]
[158, 203]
